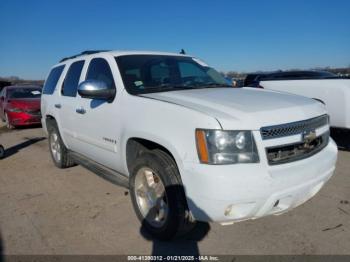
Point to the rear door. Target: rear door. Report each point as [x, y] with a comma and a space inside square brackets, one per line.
[68, 103]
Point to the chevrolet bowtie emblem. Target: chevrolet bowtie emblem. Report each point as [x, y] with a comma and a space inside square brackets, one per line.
[309, 136]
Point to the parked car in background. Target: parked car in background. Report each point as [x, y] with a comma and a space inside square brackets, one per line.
[187, 145]
[254, 79]
[325, 87]
[20, 105]
[235, 82]
[3, 84]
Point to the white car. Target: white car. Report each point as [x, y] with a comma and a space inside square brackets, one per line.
[328, 88]
[187, 146]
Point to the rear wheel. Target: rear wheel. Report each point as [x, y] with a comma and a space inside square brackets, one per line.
[58, 150]
[157, 195]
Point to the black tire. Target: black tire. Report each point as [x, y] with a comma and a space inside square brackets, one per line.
[64, 160]
[2, 152]
[166, 169]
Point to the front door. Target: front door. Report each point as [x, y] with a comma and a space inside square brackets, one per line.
[97, 126]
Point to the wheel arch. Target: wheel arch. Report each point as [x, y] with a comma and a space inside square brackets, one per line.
[50, 118]
[136, 145]
[47, 119]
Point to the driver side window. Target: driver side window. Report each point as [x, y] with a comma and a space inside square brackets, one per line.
[99, 70]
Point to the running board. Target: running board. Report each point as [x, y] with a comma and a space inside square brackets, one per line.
[100, 170]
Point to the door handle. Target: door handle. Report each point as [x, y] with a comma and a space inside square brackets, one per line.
[80, 110]
[58, 106]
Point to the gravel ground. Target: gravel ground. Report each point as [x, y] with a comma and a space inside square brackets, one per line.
[45, 210]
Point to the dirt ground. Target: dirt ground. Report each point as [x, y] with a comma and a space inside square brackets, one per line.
[45, 210]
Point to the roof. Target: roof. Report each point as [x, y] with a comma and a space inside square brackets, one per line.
[119, 53]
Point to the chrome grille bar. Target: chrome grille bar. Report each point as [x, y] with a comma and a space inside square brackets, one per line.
[294, 128]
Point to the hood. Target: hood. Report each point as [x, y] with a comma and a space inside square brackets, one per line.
[24, 103]
[244, 108]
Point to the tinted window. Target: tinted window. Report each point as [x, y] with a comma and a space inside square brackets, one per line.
[25, 92]
[51, 81]
[99, 70]
[161, 73]
[189, 69]
[70, 84]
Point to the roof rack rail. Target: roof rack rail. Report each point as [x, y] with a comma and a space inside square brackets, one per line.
[87, 52]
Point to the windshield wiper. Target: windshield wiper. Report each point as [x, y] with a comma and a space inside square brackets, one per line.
[213, 85]
[170, 87]
[167, 87]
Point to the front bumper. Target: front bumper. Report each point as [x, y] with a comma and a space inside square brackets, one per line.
[239, 192]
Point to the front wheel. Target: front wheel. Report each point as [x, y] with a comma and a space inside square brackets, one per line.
[157, 194]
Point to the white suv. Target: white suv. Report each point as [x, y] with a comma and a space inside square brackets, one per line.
[187, 146]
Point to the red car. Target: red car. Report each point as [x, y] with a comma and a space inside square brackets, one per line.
[20, 105]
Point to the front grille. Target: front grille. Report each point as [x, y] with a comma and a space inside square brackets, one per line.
[270, 132]
[297, 151]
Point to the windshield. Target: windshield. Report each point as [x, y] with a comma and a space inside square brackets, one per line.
[18, 93]
[143, 74]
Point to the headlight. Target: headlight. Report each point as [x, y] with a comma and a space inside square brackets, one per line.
[226, 147]
[15, 110]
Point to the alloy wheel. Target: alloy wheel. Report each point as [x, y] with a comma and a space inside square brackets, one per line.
[55, 147]
[151, 197]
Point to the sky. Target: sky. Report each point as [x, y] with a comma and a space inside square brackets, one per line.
[236, 35]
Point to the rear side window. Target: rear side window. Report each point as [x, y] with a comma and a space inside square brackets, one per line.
[70, 84]
[51, 81]
[99, 70]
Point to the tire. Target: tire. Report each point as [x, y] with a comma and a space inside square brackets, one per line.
[2, 152]
[58, 151]
[172, 219]
[7, 122]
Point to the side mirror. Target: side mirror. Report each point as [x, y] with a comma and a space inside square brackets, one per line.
[96, 89]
